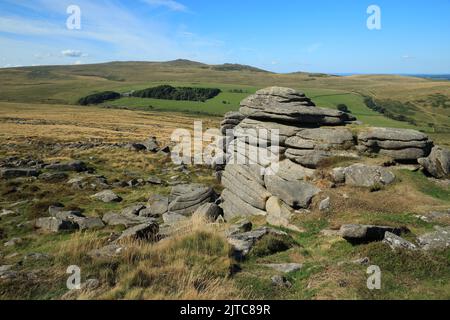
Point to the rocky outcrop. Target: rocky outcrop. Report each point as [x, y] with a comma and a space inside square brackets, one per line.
[399, 144]
[396, 242]
[185, 199]
[291, 106]
[75, 166]
[437, 163]
[231, 120]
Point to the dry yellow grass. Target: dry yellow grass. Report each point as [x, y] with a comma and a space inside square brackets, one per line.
[64, 123]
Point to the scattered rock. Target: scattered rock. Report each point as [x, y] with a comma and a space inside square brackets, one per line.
[209, 212]
[6, 212]
[76, 166]
[357, 233]
[106, 252]
[325, 205]
[242, 243]
[361, 175]
[107, 196]
[117, 219]
[281, 281]
[6, 273]
[285, 267]
[440, 239]
[13, 242]
[53, 224]
[10, 173]
[147, 231]
[396, 242]
[90, 223]
[240, 226]
[154, 180]
[54, 176]
[151, 144]
[171, 218]
[133, 210]
[438, 162]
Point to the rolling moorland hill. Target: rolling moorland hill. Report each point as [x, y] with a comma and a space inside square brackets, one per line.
[422, 104]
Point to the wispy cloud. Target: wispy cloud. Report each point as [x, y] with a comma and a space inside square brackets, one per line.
[407, 57]
[169, 4]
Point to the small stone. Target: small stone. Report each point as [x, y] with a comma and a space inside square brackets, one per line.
[396, 242]
[285, 267]
[107, 196]
[325, 205]
[280, 281]
[13, 242]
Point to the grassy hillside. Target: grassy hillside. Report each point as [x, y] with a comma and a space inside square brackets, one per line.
[426, 102]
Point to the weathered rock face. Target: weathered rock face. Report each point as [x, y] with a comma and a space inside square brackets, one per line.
[279, 214]
[146, 231]
[289, 105]
[187, 198]
[209, 212]
[440, 239]
[437, 163]
[360, 175]
[399, 144]
[231, 120]
[297, 194]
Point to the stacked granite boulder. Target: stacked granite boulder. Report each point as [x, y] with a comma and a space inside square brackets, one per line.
[272, 178]
[262, 176]
[399, 144]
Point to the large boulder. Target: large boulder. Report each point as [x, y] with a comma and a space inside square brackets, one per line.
[399, 144]
[291, 106]
[297, 194]
[437, 163]
[361, 175]
[185, 199]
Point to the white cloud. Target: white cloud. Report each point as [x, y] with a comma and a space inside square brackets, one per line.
[72, 53]
[78, 62]
[170, 4]
[407, 57]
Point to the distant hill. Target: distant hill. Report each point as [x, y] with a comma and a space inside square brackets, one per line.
[237, 67]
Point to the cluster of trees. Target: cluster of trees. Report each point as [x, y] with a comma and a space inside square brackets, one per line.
[389, 105]
[167, 92]
[100, 97]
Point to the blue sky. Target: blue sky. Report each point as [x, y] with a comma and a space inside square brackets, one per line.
[282, 36]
